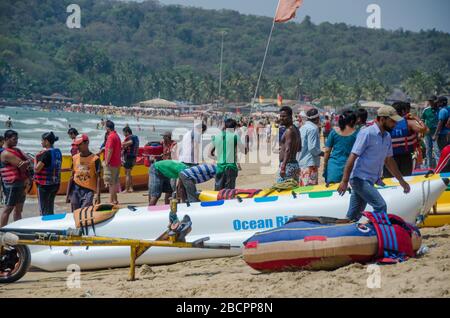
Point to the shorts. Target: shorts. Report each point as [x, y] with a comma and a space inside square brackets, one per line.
[309, 176]
[158, 184]
[110, 175]
[129, 162]
[292, 172]
[14, 193]
[81, 197]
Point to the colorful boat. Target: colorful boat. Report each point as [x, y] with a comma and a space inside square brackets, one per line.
[228, 222]
[320, 244]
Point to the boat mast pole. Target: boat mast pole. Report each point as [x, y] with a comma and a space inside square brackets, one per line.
[264, 59]
[221, 62]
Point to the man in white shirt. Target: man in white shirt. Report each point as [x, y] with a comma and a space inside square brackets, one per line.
[191, 144]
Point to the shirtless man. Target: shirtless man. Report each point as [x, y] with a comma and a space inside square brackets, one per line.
[289, 147]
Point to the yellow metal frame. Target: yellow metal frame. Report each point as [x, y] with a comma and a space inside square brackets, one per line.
[137, 247]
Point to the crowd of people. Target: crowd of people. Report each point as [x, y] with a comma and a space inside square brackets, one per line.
[356, 152]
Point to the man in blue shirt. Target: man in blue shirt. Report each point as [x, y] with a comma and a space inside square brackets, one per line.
[371, 151]
[441, 134]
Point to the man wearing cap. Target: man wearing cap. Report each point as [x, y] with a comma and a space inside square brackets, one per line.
[84, 183]
[442, 131]
[371, 151]
[430, 118]
[169, 146]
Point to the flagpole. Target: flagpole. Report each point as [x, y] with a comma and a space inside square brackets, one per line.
[265, 56]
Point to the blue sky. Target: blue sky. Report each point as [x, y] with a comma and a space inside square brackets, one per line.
[407, 14]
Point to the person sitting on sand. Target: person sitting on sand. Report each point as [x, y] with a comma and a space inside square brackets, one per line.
[84, 183]
[159, 179]
[195, 175]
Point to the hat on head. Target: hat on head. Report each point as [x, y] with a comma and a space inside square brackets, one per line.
[80, 139]
[389, 111]
[432, 98]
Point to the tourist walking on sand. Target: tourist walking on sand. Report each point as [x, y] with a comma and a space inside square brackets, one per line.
[73, 133]
[130, 150]
[290, 145]
[310, 153]
[225, 149]
[47, 173]
[161, 174]
[430, 117]
[371, 151]
[112, 161]
[405, 139]
[338, 147]
[15, 175]
[84, 185]
[442, 131]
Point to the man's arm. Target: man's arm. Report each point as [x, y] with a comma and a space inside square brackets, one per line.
[312, 145]
[347, 171]
[126, 144]
[391, 165]
[108, 156]
[98, 170]
[417, 126]
[287, 151]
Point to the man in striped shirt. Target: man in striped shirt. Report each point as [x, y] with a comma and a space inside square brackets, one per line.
[195, 175]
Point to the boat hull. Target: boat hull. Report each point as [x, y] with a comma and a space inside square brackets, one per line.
[230, 222]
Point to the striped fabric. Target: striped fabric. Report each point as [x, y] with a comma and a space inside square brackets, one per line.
[200, 173]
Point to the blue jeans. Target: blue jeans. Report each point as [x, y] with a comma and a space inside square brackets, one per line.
[433, 152]
[363, 193]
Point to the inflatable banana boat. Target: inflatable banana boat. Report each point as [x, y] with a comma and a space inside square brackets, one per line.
[323, 244]
[226, 221]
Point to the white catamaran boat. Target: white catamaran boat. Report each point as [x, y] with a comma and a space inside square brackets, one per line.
[230, 222]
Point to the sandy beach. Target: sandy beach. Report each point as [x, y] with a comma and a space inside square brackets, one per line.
[428, 276]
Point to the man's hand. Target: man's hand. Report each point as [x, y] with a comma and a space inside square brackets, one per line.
[405, 186]
[343, 186]
[283, 172]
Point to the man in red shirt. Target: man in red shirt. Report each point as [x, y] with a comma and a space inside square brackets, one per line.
[112, 161]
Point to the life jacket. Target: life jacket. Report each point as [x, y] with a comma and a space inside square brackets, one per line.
[49, 175]
[84, 171]
[229, 194]
[11, 174]
[152, 149]
[395, 237]
[132, 150]
[402, 140]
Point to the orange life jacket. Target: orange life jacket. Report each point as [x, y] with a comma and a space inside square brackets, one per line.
[84, 171]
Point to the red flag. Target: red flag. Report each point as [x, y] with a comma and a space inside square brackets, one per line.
[286, 10]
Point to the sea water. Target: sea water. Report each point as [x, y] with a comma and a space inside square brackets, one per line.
[31, 124]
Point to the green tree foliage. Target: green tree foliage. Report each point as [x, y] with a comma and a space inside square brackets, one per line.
[126, 52]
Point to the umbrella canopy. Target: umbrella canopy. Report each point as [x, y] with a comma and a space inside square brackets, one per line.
[372, 105]
[158, 102]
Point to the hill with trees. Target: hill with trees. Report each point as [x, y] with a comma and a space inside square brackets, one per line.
[126, 52]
